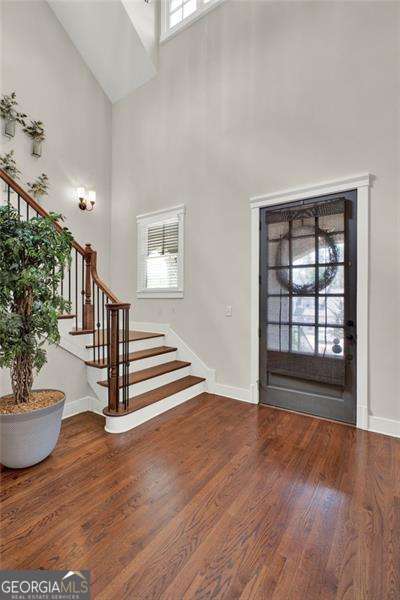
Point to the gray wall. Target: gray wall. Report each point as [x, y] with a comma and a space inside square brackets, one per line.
[254, 98]
[53, 84]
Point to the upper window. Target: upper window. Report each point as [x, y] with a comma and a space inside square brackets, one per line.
[160, 254]
[176, 14]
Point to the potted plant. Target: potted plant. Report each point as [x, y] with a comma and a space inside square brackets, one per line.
[39, 187]
[33, 255]
[36, 131]
[9, 114]
[8, 164]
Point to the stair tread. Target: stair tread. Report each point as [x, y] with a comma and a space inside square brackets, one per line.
[149, 373]
[164, 391]
[138, 355]
[66, 316]
[80, 331]
[101, 336]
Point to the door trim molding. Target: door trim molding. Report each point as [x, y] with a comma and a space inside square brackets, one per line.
[362, 183]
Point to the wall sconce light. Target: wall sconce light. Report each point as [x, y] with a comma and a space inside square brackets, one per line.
[86, 203]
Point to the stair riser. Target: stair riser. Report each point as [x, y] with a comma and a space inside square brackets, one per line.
[127, 422]
[133, 346]
[138, 388]
[139, 365]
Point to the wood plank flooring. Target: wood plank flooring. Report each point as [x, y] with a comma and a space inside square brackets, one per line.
[214, 499]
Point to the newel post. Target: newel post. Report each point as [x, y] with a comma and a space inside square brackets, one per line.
[88, 310]
[117, 351]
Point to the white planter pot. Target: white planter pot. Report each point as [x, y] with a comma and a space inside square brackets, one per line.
[28, 438]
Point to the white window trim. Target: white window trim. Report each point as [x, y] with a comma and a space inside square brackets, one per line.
[168, 33]
[362, 184]
[152, 218]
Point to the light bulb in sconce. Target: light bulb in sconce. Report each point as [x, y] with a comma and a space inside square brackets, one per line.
[92, 197]
[86, 203]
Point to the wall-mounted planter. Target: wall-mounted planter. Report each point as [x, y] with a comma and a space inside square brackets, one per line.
[39, 187]
[37, 148]
[35, 130]
[9, 127]
[10, 114]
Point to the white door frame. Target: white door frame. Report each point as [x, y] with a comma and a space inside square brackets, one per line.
[362, 184]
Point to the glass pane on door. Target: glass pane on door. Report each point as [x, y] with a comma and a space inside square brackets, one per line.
[306, 287]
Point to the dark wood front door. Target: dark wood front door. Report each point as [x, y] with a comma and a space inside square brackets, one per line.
[308, 287]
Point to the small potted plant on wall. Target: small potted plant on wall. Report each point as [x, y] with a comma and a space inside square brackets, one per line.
[8, 164]
[39, 187]
[35, 130]
[9, 114]
[33, 255]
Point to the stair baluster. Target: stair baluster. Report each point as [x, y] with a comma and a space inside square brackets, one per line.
[89, 315]
[103, 303]
[76, 291]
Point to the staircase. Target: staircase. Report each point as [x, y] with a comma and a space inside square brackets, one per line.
[134, 374]
[157, 380]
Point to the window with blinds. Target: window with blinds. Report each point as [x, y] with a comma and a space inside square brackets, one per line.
[160, 254]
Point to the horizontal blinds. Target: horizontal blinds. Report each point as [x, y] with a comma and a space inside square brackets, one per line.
[162, 256]
[321, 209]
[163, 239]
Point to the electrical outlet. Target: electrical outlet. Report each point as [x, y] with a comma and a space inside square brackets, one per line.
[228, 310]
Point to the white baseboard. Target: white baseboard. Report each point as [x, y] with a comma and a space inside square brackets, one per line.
[184, 352]
[76, 406]
[385, 426]
[236, 393]
[96, 405]
[147, 326]
[85, 404]
[199, 367]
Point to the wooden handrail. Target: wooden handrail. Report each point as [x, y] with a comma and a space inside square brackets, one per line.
[93, 270]
[92, 309]
[83, 251]
[35, 205]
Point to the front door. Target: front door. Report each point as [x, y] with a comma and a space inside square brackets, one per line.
[308, 306]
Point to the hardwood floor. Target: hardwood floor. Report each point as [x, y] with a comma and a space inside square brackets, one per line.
[214, 499]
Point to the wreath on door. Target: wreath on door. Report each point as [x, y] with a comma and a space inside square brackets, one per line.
[325, 275]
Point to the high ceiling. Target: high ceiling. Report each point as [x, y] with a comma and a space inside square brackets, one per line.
[116, 39]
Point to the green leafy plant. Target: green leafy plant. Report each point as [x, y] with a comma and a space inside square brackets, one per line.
[33, 255]
[35, 130]
[8, 111]
[8, 164]
[39, 187]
